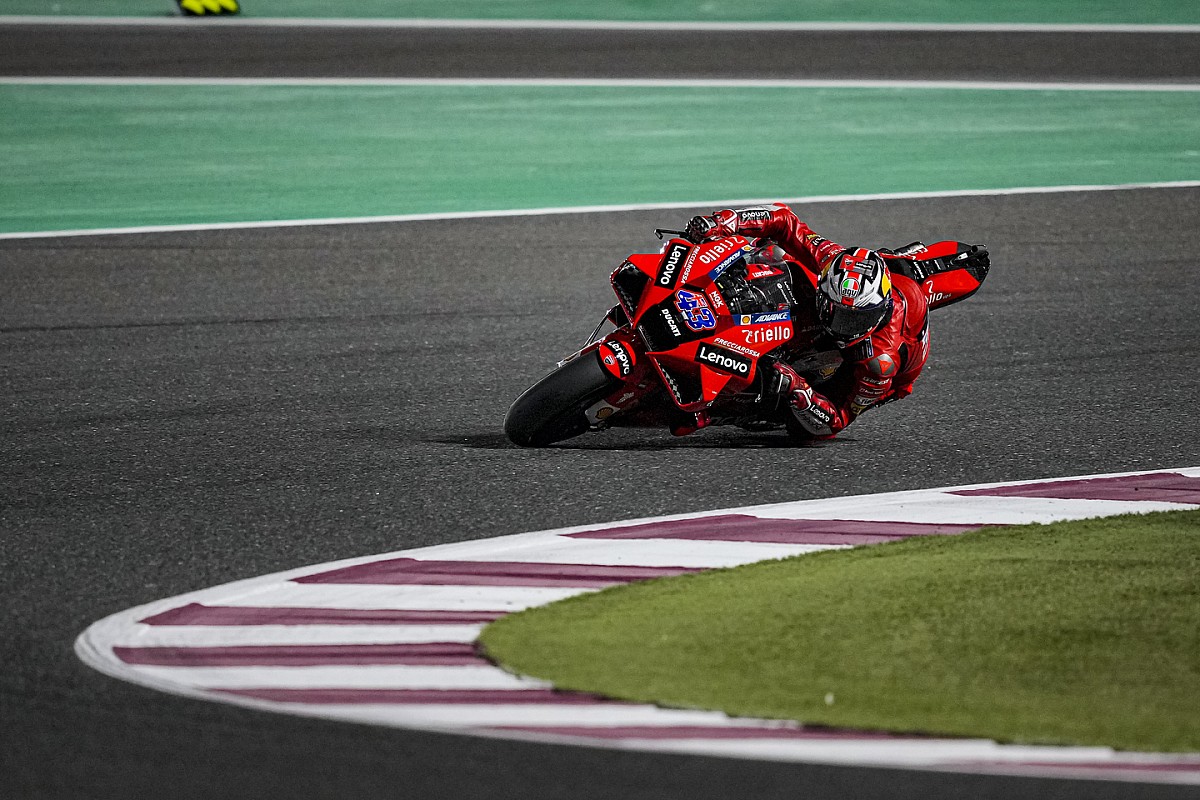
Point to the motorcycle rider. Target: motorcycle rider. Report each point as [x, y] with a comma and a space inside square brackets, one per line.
[870, 305]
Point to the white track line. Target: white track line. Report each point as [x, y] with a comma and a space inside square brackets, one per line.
[458, 717]
[618, 83]
[480, 698]
[595, 209]
[604, 25]
[911, 754]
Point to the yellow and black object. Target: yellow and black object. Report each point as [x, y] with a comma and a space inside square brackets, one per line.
[208, 8]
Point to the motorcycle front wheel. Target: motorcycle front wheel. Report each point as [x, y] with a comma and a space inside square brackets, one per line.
[553, 408]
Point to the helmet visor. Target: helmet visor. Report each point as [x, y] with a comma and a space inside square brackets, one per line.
[847, 323]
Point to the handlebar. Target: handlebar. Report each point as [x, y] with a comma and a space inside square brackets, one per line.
[660, 231]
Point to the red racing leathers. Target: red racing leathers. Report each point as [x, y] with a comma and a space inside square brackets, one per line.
[876, 369]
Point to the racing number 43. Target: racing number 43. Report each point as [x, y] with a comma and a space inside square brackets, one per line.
[696, 313]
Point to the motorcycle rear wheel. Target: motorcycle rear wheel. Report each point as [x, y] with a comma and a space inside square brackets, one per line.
[553, 408]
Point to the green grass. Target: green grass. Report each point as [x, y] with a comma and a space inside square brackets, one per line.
[1075, 633]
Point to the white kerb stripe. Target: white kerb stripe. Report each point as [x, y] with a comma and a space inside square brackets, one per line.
[405, 598]
[342, 677]
[952, 509]
[235, 635]
[690, 553]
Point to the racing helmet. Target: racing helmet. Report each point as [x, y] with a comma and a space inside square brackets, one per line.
[854, 295]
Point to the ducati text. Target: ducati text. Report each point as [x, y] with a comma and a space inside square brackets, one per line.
[670, 318]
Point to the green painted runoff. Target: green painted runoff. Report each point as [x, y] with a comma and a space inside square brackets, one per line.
[115, 156]
[1062, 11]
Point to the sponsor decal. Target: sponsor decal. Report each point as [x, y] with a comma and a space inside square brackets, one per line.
[764, 317]
[820, 414]
[668, 270]
[771, 334]
[741, 348]
[717, 250]
[857, 276]
[696, 313]
[858, 264]
[762, 271]
[785, 289]
[719, 269]
[936, 297]
[715, 298]
[600, 412]
[754, 216]
[723, 360]
[670, 318]
[883, 365]
[617, 358]
[870, 391]
[860, 404]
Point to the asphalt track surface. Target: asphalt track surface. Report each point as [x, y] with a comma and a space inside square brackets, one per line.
[259, 51]
[186, 409]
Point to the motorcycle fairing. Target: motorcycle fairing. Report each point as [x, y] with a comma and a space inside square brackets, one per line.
[697, 345]
[617, 356]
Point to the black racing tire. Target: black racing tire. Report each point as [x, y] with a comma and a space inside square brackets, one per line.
[553, 408]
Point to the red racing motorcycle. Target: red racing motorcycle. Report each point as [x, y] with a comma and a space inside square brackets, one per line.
[697, 327]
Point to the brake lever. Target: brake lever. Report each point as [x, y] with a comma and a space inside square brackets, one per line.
[660, 231]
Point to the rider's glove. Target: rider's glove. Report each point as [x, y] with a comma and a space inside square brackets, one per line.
[799, 394]
[721, 223]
